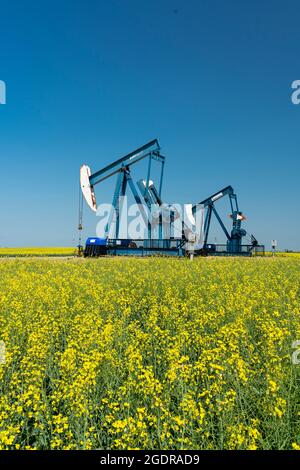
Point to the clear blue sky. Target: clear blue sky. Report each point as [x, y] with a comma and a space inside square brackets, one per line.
[88, 81]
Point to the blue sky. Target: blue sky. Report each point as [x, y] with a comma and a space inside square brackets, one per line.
[88, 81]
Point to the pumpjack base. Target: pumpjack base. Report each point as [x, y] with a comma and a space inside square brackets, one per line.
[224, 250]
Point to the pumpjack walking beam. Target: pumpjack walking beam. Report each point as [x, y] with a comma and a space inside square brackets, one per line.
[151, 149]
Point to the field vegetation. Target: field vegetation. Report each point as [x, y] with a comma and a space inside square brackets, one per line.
[123, 353]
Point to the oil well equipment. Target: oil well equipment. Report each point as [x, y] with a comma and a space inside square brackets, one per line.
[148, 196]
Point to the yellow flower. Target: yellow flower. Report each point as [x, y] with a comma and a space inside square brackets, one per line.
[295, 446]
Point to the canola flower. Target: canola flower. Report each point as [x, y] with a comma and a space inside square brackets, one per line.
[152, 353]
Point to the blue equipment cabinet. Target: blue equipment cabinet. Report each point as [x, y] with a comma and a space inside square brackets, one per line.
[95, 246]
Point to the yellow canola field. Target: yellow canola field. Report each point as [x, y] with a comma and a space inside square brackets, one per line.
[151, 353]
[38, 251]
[284, 254]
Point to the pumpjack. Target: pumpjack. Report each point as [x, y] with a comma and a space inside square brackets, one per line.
[146, 195]
[234, 238]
